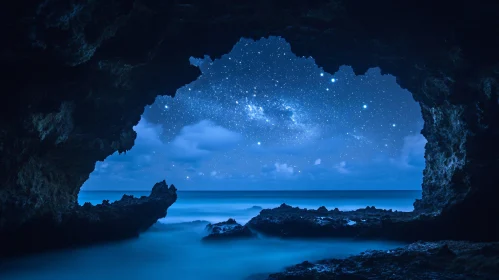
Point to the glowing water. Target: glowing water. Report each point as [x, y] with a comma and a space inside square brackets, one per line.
[217, 206]
[173, 249]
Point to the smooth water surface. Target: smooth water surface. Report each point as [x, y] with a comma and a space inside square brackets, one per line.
[172, 249]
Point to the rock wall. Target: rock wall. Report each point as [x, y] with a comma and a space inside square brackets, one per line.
[79, 73]
[89, 224]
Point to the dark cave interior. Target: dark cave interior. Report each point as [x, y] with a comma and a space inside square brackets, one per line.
[78, 76]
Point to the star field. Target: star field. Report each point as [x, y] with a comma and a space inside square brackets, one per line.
[262, 116]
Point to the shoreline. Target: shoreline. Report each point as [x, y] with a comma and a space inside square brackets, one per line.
[432, 258]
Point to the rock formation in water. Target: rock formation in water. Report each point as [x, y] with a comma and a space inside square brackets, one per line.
[78, 75]
[87, 224]
[369, 223]
[446, 260]
[229, 229]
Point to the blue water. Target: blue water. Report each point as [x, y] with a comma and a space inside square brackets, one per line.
[172, 248]
[217, 206]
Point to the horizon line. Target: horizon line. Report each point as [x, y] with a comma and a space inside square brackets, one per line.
[252, 190]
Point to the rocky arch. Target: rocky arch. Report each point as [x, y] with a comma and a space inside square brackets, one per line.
[80, 73]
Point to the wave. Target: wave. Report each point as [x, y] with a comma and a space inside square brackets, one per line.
[213, 213]
[164, 226]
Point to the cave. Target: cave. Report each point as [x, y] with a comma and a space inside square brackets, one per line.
[80, 74]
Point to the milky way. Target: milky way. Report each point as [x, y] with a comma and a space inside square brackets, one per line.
[260, 114]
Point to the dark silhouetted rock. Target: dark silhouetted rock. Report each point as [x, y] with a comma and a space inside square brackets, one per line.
[125, 218]
[229, 229]
[445, 260]
[322, 209]
[286, 221]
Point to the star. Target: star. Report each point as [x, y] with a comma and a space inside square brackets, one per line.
[260, 95]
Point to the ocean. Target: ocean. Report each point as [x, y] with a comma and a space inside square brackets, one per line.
[172, 249]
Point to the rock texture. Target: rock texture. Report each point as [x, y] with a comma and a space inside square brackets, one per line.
[229, 229]
[288, 222]
[88, 224]
[78, 75]
[369, 223]
[445, 260]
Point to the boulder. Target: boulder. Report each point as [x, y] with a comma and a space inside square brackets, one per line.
[229, 229]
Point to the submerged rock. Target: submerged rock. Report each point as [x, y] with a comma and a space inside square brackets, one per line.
[125, 218]
[423, 260]
[288, 221]
[227, 230]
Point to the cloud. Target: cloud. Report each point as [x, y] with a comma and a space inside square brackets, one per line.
[412, 154]
[268, 169]
[150, 160]
[191, 170]
[414, 147]
[283, 168]
[139, 168]
[198, 141]
[101, 166]
[341, 167]
[218, 175]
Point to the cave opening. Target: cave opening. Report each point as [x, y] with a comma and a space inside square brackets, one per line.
[82, 73]
[258, 128]
[262, 119]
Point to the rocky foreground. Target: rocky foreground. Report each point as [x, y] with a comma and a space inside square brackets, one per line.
[444, 260]
[88, 224]
[421, 260]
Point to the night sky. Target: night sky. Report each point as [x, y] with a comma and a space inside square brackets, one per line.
[261, 118]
